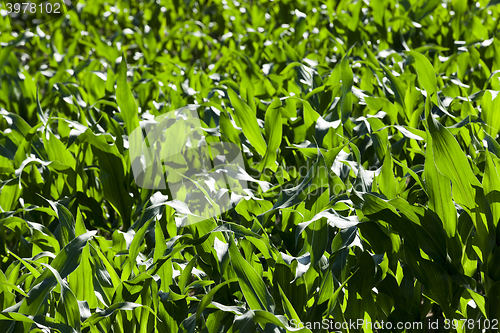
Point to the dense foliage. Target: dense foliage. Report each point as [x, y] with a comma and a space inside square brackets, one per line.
[370, 139]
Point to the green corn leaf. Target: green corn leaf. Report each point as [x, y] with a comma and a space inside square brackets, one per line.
[66, 223]
[354, 21]
[186, 275]
[425, 73]
[491, 185]
[439, 192]
[467, 191]
[274, 136]
[160, 242]
[246, 118]
[113, 184]
[490, 106]
[57, 151]
[288, 307]
[397, 85]
[134, 251]
[64, 263]
[125, 99]
[346, 76]
[82, 280]
[451, 161]
[251, 284]
[71, 313]
[32, 269]
[122, 306]
[207, 299]
[10, 193]
[387, 182]
[80, 228]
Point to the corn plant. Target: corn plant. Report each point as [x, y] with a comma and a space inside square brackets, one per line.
[367, 133]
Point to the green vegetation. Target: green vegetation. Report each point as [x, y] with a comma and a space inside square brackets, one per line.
[370, 139]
